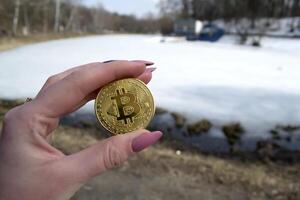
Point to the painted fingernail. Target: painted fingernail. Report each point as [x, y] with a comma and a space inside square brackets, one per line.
[145, 140]
[109, 61]
[147, 63]
[151, 69]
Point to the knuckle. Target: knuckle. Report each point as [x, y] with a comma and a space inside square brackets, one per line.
[20, 115]
[113, 156]
[76, 74]
[11, 116]
[52, 79]
[26, 119]
[74, 78]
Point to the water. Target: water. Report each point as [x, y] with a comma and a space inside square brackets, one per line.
[214, 141]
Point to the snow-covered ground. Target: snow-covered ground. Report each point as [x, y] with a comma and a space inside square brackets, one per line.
[224, 82]
[269, 26]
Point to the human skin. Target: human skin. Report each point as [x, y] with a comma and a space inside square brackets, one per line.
[32, 169]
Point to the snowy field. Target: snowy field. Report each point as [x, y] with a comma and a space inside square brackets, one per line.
[224, 82]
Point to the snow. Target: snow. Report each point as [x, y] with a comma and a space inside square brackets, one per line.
[277, 27]
[224, 82]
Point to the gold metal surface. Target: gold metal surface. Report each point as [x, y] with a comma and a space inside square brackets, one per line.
[124, 106]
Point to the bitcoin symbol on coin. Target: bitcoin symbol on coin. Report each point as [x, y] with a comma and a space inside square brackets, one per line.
[124, 106]
[128, 107]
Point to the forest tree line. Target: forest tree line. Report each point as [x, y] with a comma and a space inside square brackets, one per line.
[231, 10]
[25, 17]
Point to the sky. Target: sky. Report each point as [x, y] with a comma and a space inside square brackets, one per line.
[136, 7]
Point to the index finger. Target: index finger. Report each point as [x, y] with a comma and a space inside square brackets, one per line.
[63, 96]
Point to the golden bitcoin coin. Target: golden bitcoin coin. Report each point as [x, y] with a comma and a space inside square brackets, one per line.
[124, 106]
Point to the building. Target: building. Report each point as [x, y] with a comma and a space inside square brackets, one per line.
[185, 27]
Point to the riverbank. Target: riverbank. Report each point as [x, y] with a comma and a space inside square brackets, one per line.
[198, 136]
[193, 175]
[7, 42]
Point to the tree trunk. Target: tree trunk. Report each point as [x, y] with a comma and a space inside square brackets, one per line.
[185, 9]
[45, 17]
[26, 31]
[57, 16]
[293, 14]
[70, 22]
[16, 17]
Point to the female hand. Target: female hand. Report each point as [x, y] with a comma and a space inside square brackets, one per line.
[32, 169]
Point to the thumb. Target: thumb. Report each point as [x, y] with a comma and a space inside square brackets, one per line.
[108, 153]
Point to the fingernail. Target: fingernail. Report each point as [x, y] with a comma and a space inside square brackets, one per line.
[109, 61]
[151, 69]
[145, 140]
[147, 63]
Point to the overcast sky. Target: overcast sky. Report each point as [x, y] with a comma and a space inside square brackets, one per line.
[137, 7]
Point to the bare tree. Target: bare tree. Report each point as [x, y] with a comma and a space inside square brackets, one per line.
[170, 8]
[57, 16]
[294, 11]
[45, 15]
[26, 28]
[16, 17]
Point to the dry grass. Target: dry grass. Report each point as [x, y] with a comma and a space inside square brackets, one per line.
[190, 171]
[71, 140]
[7, 43]
[272, 180]
[252, 174]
